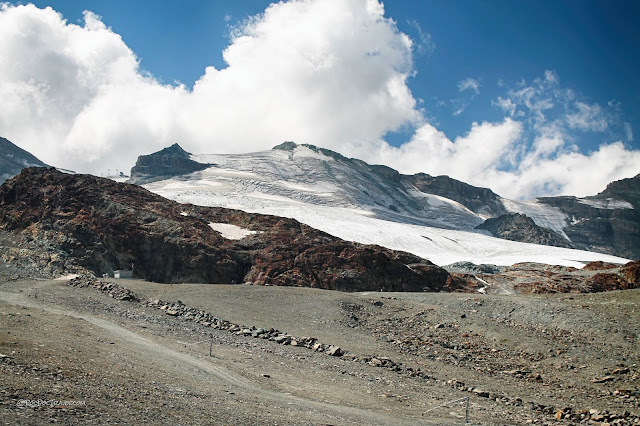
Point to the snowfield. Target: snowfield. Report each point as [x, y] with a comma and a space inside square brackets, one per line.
[441, 246]
[542, 214]
[347, 199]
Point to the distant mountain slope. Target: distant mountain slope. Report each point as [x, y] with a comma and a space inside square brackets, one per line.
[368, 203]
[482, 201]
[608, 222]
[519, 227]
[84, 221]
[13, 159]
[306, 174]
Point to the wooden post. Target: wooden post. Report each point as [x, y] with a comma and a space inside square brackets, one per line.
[466, 414]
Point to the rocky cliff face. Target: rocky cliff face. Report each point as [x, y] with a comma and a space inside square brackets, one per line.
[101, 225]
[519, 227]
[169, 162]
[13, 159]
[479, 200]
[625, 189]
[608, 222]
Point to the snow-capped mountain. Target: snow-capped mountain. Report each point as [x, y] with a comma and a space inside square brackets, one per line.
[433, 217]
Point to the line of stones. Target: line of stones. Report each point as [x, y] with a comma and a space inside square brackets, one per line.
[179, 309]
[182, 311]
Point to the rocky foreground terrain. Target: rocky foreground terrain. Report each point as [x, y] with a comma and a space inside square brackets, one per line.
[130, 351]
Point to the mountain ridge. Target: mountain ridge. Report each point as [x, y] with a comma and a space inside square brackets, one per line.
[13, 159]
[292, 173]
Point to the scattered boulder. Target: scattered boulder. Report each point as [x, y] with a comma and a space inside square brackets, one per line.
[334, 351]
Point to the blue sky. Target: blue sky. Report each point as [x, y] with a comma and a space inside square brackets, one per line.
[554, 79]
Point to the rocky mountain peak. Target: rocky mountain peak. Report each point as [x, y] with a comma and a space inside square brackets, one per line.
[624, 189]
[286, 146]
[174, 150]
[168, 162]
[291, 146]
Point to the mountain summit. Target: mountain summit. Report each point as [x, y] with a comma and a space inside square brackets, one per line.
[431, 216]
[169, 162]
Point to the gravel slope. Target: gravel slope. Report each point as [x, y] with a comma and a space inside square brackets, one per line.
[518, 358]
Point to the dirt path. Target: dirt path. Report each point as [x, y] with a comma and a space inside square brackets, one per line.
[519, 358]
[166, 358]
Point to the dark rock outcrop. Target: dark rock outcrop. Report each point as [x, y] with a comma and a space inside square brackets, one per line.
[519, 227]
[164, 164]
[624, 189]
[101, 225]
[13, 159]
[479, 200]
[606, 223]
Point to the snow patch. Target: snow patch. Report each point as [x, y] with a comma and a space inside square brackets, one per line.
[67, 277]
[607, 203]
[305, 152]
[231, 232]
[542, 214]
[184, 214]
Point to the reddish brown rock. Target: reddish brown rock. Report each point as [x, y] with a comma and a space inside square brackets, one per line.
[607, 282]
[632, 273]
[463, 283]
[102, 225]
[599, 266]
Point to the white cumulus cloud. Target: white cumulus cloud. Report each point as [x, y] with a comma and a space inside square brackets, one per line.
[334, 73]
[329, 72]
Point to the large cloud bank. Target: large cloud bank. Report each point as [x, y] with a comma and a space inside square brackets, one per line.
[330, 72]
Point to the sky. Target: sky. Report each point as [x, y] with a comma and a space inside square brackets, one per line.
[528, 98]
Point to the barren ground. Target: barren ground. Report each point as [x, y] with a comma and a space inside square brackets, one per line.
[519, 358]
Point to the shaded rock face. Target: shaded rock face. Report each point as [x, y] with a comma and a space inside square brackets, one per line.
[13, 159]
[101, 225]
[608, 222]
[479, 200]
[519, 227]
[169, 162]
[624, 189]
